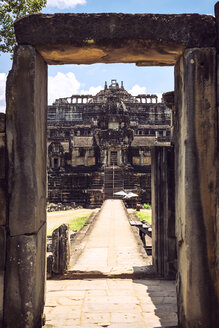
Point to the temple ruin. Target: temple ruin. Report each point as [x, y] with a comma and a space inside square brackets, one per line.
[99, 145]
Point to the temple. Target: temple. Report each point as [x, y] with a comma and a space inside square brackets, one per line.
[99, 145]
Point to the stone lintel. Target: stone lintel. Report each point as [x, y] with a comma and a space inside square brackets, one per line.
[25, 280]
[26, 132]
[195, 173]
[145, 39]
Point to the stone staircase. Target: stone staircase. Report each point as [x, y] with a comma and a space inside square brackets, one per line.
[113, 182]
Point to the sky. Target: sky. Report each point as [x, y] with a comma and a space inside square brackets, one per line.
[65, 80]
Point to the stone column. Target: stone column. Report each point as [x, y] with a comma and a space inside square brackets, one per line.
[2, 213]
[26, 131]
[163, 212]
[195, 174]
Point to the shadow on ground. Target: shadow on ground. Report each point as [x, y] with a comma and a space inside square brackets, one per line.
[161, 300]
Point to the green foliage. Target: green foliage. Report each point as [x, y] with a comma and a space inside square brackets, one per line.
[144, 216]
[146, 206]
[10, 10]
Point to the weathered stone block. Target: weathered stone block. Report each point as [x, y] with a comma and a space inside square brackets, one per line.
[25, 280]
[61, 248]
[26, 141]
[146, 39]
[195, 165]
[2, 270]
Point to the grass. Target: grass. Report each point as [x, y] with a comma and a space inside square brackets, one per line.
[146, 206]
[77, 224]
[146, 216]
[74, 224]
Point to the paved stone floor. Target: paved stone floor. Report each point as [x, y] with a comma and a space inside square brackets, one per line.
[112, 303]
[111, 248]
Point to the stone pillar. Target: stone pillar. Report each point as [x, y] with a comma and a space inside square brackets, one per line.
[26, 131]
[2, 213]
[61, 249]
[195, 174]
[163, 212]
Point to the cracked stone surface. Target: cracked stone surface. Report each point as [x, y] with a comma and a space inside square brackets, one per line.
[112, 303]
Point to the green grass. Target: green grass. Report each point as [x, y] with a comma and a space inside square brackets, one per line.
[144, 216]
[74, 224]
[77, 224]
[146, 206]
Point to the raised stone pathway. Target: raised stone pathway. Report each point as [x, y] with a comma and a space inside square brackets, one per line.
[111, 248]
[110, 302]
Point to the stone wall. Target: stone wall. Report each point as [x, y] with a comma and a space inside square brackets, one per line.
[2, 212]
[163, 211]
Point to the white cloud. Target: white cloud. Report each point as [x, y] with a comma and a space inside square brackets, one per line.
[137, 90]
[3, 78]
[92, 91]
[61, 86]
[63, 4]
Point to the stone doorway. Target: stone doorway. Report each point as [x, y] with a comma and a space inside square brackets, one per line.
[186, 41]
[113, 158]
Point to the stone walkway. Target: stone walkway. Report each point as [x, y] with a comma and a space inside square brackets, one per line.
[112, 303]
[110, 248]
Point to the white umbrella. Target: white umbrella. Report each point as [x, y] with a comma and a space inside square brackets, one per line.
[120, 193]
[131, 194]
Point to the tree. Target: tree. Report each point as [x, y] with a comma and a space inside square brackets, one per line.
[10, 10]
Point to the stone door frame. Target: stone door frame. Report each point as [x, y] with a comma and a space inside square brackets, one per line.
[108, 38]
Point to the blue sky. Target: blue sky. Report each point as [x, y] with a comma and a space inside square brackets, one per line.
[70, 79]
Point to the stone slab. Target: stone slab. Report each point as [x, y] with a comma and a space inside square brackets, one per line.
[61, 249]
[25, 280]
[65, 308]
[26, 133]
[146, 39]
